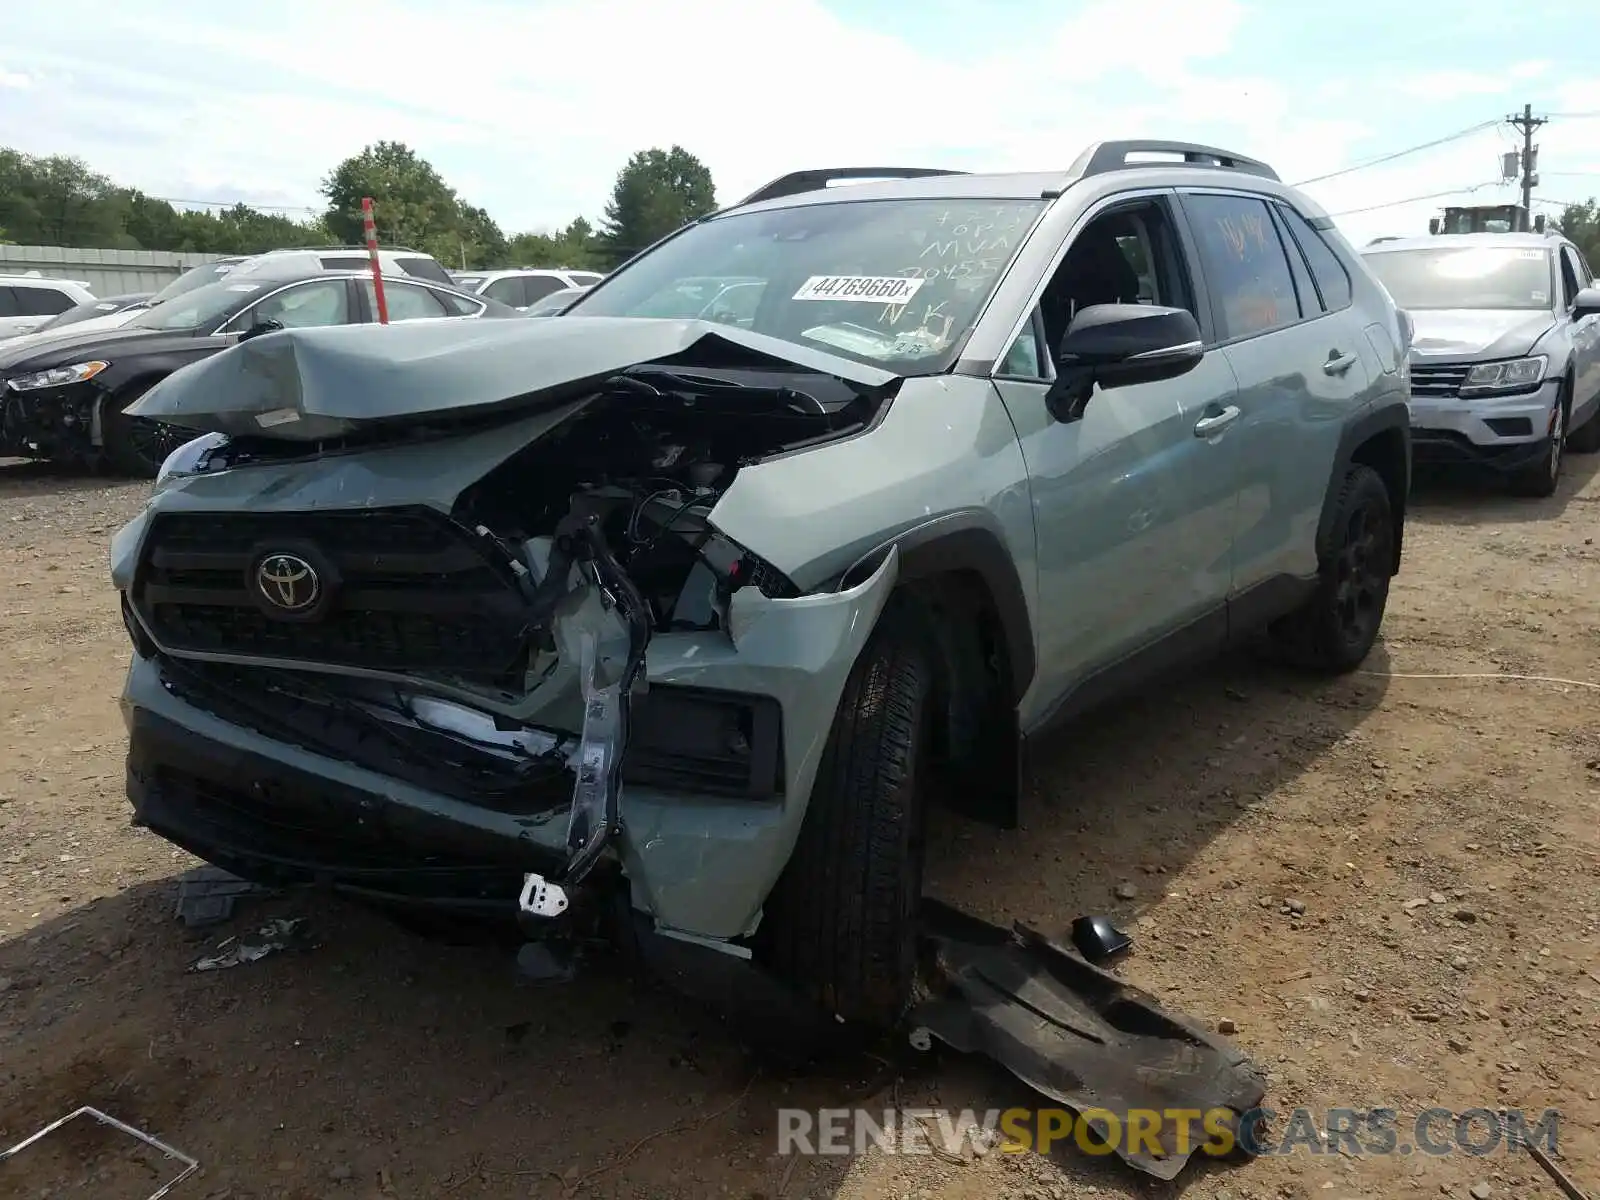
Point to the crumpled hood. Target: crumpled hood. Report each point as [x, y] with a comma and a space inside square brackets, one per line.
[312, 384]
[1485, 334]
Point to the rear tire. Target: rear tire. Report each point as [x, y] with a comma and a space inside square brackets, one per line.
[1335, 629]
[1539, 479]
[136, 446]
[841, 923]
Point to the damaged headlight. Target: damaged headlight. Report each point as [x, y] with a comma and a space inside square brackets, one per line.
[189, 458]
[57, 376]
[1518, 374]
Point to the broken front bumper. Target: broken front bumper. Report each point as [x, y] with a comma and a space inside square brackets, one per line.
[700, 865]
[51, 422]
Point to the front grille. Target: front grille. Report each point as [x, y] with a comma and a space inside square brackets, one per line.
[407, 591]
[1438, 379]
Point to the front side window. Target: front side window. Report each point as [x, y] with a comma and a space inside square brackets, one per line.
[1465, 277]
[887, 282]
[1247, 272]
[304, 306]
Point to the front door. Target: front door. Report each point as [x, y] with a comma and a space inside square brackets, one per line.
[1134, 502]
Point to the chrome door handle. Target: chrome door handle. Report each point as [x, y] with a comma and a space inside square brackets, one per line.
[1338, 364]
[1210, 426]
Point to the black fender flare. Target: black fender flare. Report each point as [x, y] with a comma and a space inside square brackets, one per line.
[1389, 416]
[969, 541]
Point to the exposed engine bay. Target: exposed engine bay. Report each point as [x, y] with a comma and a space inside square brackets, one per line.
[495, 653]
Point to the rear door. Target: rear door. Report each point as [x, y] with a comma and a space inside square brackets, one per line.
[1282, 315]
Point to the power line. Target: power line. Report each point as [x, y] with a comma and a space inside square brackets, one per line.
[1387, 158]
[1351, 212]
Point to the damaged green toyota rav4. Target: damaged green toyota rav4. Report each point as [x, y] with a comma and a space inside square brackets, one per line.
[697, 598]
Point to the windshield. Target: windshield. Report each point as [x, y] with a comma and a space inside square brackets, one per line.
[554, 302]
[195, 277]
[880, 281]
[84, 312]
[1465, 277]
[201, 307]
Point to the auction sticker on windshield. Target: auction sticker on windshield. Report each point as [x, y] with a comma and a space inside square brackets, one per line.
[868, 289]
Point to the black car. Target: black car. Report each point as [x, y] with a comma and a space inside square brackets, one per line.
[63, 399]
[104, 307]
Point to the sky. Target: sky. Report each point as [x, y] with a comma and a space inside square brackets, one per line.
[529, 107]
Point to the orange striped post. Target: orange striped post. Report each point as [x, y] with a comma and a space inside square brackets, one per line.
[371, 230]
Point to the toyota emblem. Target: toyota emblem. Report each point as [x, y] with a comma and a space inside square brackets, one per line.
[288, 582]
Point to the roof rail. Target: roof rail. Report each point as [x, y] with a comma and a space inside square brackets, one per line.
[796, 182]
[1113, 156]
[329, 249]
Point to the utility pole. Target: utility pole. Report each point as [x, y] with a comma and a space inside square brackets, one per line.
[1527, 123]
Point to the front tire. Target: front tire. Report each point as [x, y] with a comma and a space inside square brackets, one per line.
[135, 446]
[1540, 478]
[1336, 628]
[841, 923]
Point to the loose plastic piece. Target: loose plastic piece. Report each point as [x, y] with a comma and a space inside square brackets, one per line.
[1098, 940]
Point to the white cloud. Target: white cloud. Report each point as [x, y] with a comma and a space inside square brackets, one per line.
[547, 100]
[530, 108]
[14, 79]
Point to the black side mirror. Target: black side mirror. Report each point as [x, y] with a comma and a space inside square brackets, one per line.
[1117, 345]
[259, 328]
[1587, 304]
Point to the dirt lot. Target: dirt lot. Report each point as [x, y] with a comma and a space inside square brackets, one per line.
[1391, 885]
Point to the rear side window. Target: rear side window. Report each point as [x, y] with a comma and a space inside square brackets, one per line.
[1333, 281]
[459, 306]
[425, 268]
[507, 290]
[1247, 273]
[42, 301]
[349, 262]
[585, 278]
[8, 303]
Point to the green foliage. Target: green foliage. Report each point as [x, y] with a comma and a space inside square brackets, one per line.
[59, 201]
[657, 192]
[1581, 223]
[576, 247]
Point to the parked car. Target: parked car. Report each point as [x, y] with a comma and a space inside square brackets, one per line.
[1505, 369]
[392, 260]
[993, 448]
[523, 286]
[66, 396]
[555, 303]
[28, 301]
[125, 306]
[195, 277]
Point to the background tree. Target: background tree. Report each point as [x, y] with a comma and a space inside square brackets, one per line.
[576, 247]
[412, 206]
[1581, 223]
[655, 193]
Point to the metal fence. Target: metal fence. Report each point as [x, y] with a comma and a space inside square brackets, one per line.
[106, 272]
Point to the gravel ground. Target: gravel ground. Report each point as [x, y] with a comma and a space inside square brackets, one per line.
[1389, 886]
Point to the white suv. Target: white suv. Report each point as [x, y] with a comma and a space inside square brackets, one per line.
[523, 286]
[395, 260]
[28, 301]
